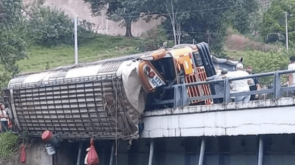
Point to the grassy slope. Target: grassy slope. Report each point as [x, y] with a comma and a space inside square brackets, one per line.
[91, 49]
[98, 47]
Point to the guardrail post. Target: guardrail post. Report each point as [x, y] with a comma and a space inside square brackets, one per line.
[177, 98]
[277, 85]
[184, 95]
[226, 98]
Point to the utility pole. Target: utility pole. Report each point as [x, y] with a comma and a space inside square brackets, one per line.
[76, 41]
[287, 40]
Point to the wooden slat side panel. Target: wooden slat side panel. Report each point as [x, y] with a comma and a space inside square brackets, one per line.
[77, 110]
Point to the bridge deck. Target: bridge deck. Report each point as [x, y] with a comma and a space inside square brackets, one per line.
[232, 119]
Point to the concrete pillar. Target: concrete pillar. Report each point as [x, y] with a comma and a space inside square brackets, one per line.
[79, 153]
[202, 152]
[260, 151]
[220, 143]
[112, 154]
[151, 153]
[160, 151]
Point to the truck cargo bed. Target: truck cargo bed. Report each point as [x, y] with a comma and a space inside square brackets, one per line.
[74, 108]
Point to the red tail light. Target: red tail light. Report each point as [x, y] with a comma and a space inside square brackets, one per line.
[148, 71]
[151, 74]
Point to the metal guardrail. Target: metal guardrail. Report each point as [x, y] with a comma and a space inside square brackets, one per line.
[181, 98]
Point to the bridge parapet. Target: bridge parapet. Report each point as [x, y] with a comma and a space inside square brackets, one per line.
[276, 91]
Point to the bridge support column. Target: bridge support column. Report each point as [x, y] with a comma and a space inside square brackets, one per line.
[79, 153]
[112, 154]
[202, 152]
[260, 152]
[151, 153]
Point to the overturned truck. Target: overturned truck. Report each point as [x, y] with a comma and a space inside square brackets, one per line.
[105, 99]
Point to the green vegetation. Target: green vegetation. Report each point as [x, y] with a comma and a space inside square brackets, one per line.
[12, 47]
[153, 39]
[9, 143]
[186, 20]
[262, 62]
[126, 12]
[45, 37]
[92, 48]
[274, 24]
[51, 27]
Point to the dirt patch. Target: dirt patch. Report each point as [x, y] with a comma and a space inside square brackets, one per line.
[241, 43]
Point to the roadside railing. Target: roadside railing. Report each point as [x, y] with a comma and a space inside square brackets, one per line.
[277, 90]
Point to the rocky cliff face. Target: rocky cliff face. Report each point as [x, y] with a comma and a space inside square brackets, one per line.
[82, 10]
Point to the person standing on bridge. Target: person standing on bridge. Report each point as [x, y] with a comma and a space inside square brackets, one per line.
[3, 117]
[240, 85]
[291, 66]
[255, 86]
[219, 87]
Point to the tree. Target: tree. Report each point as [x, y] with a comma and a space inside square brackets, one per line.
[173, 7]
[124, 11]
[273, 25]
[52, 27]
[241, 16]
[202, 20]
[12, 47]
[172, 10]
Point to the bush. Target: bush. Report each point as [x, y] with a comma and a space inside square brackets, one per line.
[51, 27]
[9, 143]
[268, 62]
[152, 39]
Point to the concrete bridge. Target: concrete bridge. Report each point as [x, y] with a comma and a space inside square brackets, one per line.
[261, 120]
[258, 132]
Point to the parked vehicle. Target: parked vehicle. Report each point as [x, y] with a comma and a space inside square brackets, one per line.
[105, 99]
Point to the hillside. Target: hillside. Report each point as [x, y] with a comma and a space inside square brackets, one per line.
[101, 24]
[94, 48]
[97, 47]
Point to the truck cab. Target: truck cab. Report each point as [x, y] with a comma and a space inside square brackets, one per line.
[165, 69]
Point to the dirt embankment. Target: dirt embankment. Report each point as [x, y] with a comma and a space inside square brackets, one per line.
[241, 43]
